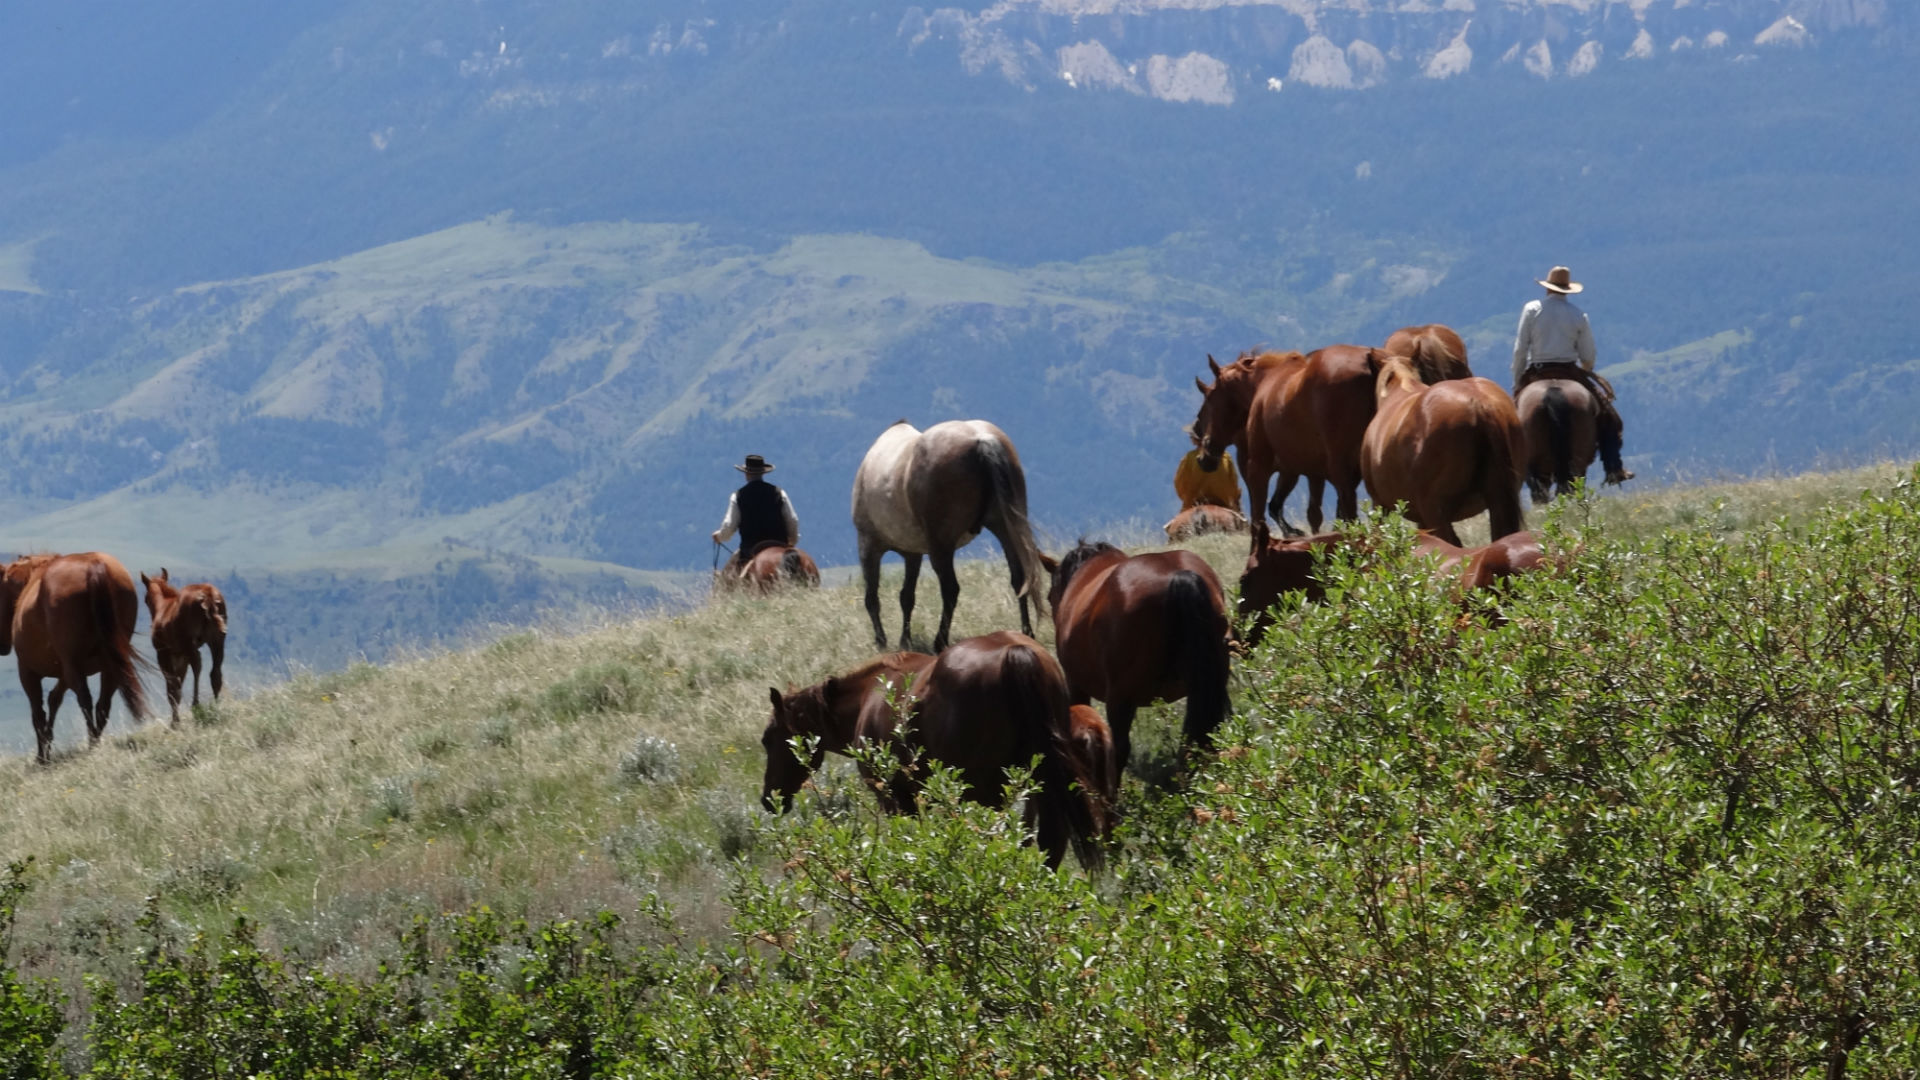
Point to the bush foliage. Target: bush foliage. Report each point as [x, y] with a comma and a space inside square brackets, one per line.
[1653, 816]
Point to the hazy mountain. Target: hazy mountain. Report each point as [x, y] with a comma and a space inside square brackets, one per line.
[286, 286]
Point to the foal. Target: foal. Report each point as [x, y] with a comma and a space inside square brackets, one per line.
[184, 619]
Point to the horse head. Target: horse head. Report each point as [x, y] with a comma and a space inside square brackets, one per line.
[1393, 374]
[1222, 420]
[796, 713]
[159, 591]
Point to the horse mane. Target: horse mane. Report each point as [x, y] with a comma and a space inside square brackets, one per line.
[1082, 553]
[1396, 372]
[1261, 361]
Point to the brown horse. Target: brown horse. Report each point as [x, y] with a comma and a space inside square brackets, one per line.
[1436, 350]
[1561, 420]
[1133, 630]
[1205, 519]
[1448, 451]
[1278, 567]
[67, 617]
[183, 619]
[829, 712]
[929, 494]
[983, 706]
[1488, 565]
[769, 567]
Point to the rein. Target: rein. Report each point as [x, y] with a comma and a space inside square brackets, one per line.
[719, 547]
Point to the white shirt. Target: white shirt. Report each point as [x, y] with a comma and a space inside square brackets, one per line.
[731, 523]
[1552, 330]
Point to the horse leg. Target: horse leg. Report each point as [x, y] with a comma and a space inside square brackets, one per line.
[907, 586]
[42, 719]
[870, 571]
[1346, 494]
[1256, 474]
[1018, 576]
[1277, 506]
[1316, 487]
[217, 656]
[174, 672]
[193, 660]
[949, 595]
[1120, 722]
[83, 697]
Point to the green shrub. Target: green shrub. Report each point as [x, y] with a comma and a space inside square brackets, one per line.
[592, 690]
[651, 760]
[30, 1011]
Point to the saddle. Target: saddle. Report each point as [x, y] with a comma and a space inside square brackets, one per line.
[1566, 369]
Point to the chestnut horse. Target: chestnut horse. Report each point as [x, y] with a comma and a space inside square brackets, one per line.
[770, 567]
[1435, 349]
[1299, 416]
[1204, 519]
[66, 617]
[1488, 565]
[1560, 418]
[1448, 451]
[829, 712]
[1135, 629]
[182, 620]
[929, 494]
[983, 706]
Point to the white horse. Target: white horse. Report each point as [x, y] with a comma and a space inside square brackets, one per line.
[929, 494]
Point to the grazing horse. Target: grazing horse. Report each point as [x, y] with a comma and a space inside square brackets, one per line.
[929, 494]
[1561, 420]
[1135, 629]
[770, 567]
[981, 707]
[1485, 566]
[1278, 567]
[1436, 350]
[1448, 451]
[1205, 519]
[183, 619]
[67, 617]
[830, 713]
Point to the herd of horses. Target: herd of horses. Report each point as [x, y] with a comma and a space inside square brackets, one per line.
[70, 617]
[1408, 419]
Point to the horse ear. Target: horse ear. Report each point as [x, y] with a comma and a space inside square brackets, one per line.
[144, 579]
[1211, 363]
[1049, 562]
[773, 696]
[1204, 388]
[163, 574]
[1373, 361]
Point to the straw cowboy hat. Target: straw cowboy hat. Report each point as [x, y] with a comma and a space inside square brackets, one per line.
[1560, 280]
[755, 465]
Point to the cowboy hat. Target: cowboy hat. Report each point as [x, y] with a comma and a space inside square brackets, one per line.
[1560, 280]
[755, 465]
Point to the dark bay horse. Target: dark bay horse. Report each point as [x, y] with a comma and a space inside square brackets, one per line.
[981, 707]
[928, 494]
[769, 567]
[67, 617]
[1560, 418]
[183, 619]
[1436, 350]
[1132, 630]
[1205, 519]
[1448, 451]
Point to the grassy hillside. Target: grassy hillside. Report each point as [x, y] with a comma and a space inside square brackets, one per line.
[551, 774]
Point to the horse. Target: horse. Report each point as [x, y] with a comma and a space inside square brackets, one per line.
[829, 712]
[1449, 451]
[67, 617]
[769, 567]
[1136, 629]
[982, 706]
[1561, 421]
[1435, 349]
[1205, 519]
[929, 494]
[183, 619]
[1278, 567]
[1290, 565]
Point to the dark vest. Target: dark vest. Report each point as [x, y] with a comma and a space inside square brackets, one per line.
[761, 521]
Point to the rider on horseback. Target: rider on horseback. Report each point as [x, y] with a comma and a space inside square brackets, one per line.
[1555, 342]
[760, 513]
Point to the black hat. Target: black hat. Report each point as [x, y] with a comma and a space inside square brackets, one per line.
[755, 465]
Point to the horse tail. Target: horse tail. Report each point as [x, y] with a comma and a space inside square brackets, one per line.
[123, 663]
[1501, 470]
[1009, 501]
[1200, 651]
[1553, 402]
[1036, 708]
